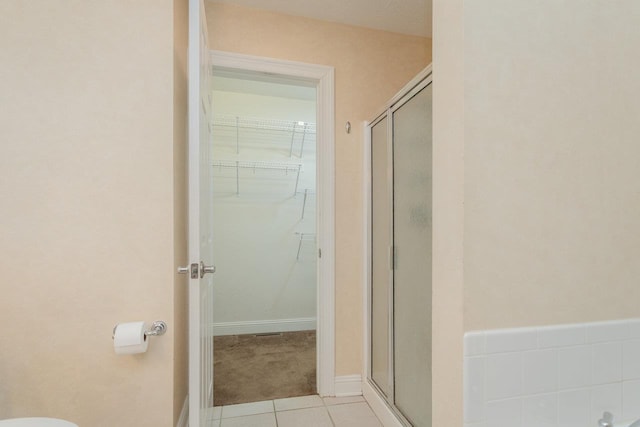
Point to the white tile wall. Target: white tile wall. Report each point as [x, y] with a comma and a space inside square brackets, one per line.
[503, 378]
[574, 367]
[474, 388]
[606, 397]
[538, 378]
[606, 365]
[555, 376]
[574, 408]
[631, 400]
[631, 360]
[503, 413]
[540, 410]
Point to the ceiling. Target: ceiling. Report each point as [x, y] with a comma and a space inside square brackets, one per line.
[400, 16]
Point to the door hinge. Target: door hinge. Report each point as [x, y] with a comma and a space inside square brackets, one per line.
[319, 253]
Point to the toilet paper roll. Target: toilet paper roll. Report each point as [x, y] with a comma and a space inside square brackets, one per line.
[129, 338]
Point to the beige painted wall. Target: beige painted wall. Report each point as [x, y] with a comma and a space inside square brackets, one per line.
[87, 208]
[371, 66]
[448, 211]
[535, 109]
[180, 230]
[552, 195]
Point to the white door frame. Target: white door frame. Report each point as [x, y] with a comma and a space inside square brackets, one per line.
[323, 77]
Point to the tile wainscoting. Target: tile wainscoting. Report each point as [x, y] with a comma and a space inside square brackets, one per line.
[554, 376]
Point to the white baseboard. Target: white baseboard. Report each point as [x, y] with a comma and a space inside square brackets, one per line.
[380, 407]
[348, 385]
[264, 326]
[183, 421]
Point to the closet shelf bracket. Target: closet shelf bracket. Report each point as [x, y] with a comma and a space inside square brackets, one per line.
[304, 237]
[307, 193]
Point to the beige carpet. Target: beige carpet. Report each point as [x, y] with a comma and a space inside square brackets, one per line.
[251, 368]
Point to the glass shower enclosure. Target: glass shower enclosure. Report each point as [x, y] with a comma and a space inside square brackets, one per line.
[400, 254]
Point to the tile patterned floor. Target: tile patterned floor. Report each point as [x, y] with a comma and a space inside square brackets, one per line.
[305, 411]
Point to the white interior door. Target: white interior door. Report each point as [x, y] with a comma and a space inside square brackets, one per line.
[200, 221]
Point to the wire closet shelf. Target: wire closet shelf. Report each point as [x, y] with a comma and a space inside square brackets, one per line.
[299, 131]
[260, 165]
[241, 122]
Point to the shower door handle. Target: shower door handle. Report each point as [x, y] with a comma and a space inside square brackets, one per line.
[204, 269]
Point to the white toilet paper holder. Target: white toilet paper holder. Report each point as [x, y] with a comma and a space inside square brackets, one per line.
[158, 328]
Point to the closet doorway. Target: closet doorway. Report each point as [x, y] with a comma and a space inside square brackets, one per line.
[267, 216]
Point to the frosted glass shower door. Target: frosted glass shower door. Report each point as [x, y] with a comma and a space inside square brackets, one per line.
[400, 257]
[380, 261]
[412, 229]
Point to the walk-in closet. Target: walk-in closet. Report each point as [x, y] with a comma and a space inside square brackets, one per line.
[400, 220]
[264, 216]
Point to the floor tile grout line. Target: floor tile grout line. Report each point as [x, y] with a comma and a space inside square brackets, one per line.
[324, 405]
[275, 413]
[330, 417]
[248, 415]
[273, 407]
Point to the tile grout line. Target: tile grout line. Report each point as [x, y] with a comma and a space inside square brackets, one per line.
[326, 408]
[275, 414]
[324, 405]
